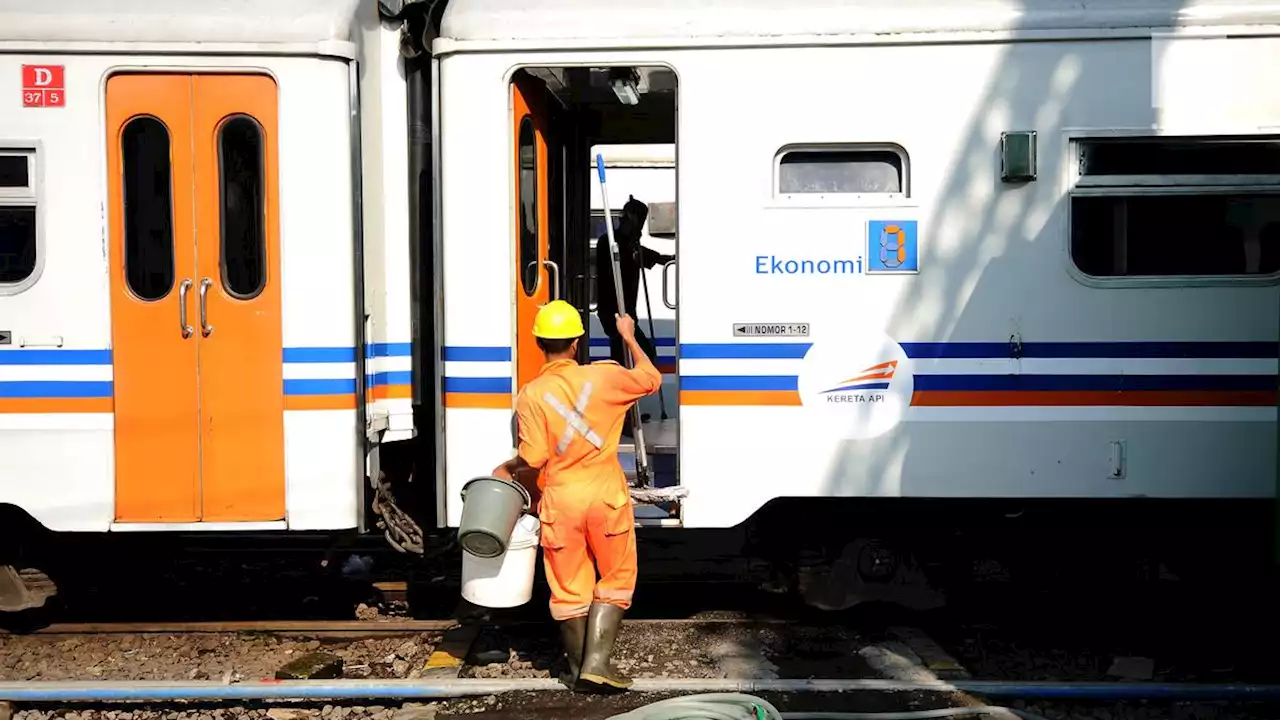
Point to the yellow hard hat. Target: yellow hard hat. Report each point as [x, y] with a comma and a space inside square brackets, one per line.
[558, 320]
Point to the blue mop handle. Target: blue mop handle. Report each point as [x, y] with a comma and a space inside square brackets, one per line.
[613, 245]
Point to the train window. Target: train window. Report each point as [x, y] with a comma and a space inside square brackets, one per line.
[597, 224]
[1178, 156]
[17, 243]
[842, 170]
[15, 171]
[528, 152]
[1176, 207]
[148, 208]
[597, 232]
[19, 236]
[243, 201]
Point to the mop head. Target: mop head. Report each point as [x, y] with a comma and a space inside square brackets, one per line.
[652, 495]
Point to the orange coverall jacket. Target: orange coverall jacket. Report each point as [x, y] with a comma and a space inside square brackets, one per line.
[569, 420]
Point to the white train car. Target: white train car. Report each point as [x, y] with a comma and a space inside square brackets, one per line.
[188, 298]
[929, 254]
[934, 260]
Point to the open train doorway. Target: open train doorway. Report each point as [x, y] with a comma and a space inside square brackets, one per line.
[563, 118]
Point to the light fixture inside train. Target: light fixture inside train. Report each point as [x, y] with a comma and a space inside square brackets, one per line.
[624, 83]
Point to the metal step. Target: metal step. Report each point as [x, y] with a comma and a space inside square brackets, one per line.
[655, 516]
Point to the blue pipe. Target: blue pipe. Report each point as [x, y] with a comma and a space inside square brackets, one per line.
[264, 690]
[46, 692]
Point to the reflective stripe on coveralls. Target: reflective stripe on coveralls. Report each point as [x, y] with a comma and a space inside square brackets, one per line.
[586, 507]
[575, 419]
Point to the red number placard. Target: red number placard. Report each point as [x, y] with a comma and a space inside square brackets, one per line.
[44, 86]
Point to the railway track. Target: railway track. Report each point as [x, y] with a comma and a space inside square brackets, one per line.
[671, 641]
[718, 646]
[392, 667]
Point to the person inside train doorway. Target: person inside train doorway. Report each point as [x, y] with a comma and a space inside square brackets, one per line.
[570, 418]
[631, 256]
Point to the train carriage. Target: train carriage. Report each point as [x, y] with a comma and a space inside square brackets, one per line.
[944, 260]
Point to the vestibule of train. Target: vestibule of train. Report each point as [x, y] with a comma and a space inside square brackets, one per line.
[562, 119]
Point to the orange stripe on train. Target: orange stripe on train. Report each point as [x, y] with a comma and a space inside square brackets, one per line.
[488, 401]
[320, 402]
[57, 405]
[392, 392]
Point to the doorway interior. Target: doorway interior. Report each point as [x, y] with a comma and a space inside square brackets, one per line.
[562, 119]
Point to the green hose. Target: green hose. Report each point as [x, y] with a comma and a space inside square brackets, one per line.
[738, 706]
[709, 706]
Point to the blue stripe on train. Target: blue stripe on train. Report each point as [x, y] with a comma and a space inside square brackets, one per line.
[344, 354]
[23, 356]
[738, 382]
[657, 342]
[482, 385]
[979, 350]
[457, 353]
[56, 389]
[1024, 383]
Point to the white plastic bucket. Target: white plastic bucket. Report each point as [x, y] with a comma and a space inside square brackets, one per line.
[506, 580]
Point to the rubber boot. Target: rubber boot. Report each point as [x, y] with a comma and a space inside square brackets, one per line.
[573, 633]
[598, 673]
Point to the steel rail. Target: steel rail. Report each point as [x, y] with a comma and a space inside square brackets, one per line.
[344, 627]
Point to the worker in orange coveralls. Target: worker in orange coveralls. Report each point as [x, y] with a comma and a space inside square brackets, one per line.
[570, 418]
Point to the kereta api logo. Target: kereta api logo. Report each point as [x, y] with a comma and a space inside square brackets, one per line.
[876, 377]
[859, 387]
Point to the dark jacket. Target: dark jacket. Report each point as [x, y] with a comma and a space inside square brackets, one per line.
[631, 255]
[629, 261]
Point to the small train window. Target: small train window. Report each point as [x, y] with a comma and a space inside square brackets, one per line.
[148, 208]
[242, 195]
[528, 261]
[18, 217]
[842, 170]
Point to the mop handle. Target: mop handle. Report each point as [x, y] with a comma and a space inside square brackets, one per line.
[613, 248]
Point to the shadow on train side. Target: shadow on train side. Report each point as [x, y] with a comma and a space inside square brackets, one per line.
[991, 249]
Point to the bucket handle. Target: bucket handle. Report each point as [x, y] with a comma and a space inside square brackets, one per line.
[523, 493]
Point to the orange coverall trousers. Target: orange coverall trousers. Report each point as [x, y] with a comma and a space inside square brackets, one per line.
[570, 418]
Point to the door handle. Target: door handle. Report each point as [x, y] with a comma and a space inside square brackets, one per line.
[553, 270]
[183, 289]
[205, 327]
[665, 282]
[537, 278]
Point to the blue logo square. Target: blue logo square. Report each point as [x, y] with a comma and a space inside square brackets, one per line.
[891, 247]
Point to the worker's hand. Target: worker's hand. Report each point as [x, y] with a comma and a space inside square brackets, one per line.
[664, 259]
[626, 327]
